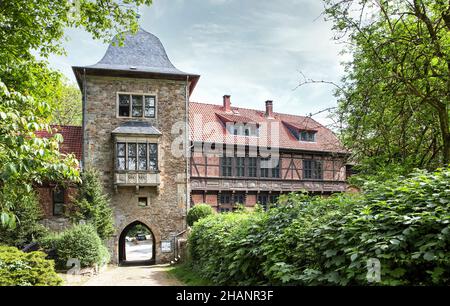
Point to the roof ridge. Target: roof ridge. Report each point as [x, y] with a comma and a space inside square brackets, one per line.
[252, 109]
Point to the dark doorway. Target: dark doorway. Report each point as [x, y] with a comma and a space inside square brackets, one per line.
[137, 245]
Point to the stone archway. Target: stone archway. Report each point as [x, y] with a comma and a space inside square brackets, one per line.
[125, 246]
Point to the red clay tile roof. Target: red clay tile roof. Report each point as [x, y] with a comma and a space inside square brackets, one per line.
[73, 139]
[206, 126]
[226, 117]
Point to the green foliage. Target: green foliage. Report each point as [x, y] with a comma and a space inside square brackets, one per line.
[26, 269]
[25, 158]
[28, 213]
[91, 205]
[187, 276]
[404, 223]
[31, 93]
[197, 212]
[393, 97]
[80, 242]
[138, 229]
[67, 104]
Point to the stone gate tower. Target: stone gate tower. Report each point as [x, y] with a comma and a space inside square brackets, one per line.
[135, 106]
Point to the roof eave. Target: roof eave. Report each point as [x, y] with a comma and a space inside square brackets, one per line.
[79, 70]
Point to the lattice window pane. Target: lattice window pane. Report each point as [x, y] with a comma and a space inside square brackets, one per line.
[153, 156]
[142, 151]
[150, 106]
[124, 105]
[137, 106]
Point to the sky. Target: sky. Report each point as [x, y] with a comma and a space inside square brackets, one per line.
[252, 50]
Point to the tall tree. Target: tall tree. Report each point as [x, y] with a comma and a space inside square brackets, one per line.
[92, 205]
[27, 85]
[67, 106]
[395, 96]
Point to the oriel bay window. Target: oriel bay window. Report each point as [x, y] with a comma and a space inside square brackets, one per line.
[136, 156]
[136, 105]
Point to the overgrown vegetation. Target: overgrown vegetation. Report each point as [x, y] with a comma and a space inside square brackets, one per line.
[404, 223]
[79, 242]
[198, 212]
[187, 276]
[393, 98]
[91, 205]
[66, 104]
[28, 213]
[26, 269]
[29, 89]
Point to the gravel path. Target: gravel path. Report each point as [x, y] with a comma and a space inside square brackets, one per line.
[133, 276]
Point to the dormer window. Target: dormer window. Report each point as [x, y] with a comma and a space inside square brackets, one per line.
[302, 131]
[240, 129]
[307, 136]
[136, 105]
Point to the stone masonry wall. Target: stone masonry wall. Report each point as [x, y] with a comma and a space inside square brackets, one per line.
[166, 210]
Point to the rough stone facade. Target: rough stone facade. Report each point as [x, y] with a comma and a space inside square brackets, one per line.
[166, 210]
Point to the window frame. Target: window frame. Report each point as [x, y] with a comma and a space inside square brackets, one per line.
[315, 174]
[224, 195]
[54, 202]
[248, 129]
[226, 166]
[145, 200]
[149, 156]
[308, 134]
[250, 166]
[240, 167]
[143, 95]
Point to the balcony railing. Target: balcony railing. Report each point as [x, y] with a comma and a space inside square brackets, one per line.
[137, 178]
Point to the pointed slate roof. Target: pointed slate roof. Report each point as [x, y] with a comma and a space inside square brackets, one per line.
[140, 52]
[141, 55]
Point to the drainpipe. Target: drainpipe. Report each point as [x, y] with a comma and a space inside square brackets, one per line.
[187, 149]
[83, 121]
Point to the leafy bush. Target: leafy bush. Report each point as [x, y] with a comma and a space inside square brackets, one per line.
[403, 223]
[92, 206]
[26, 269]
[80, 242]
[28, 213]
[197, 212]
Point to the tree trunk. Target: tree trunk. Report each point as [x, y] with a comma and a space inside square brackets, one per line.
[445, 130]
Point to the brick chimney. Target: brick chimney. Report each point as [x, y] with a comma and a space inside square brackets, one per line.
[227, 103]
[269, 109]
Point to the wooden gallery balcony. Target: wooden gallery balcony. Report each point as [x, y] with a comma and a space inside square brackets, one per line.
[224, 184]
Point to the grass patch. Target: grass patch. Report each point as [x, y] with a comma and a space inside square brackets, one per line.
[187, 276]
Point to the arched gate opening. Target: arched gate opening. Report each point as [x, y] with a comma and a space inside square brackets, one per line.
[137, 245]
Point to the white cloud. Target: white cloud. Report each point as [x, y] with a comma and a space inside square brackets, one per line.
[250, 49]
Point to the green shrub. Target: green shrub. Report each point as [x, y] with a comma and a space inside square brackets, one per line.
[28, 213]
[197, 212]
[26, 269]
[404, 223]
[91, 205]
[80, 242]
